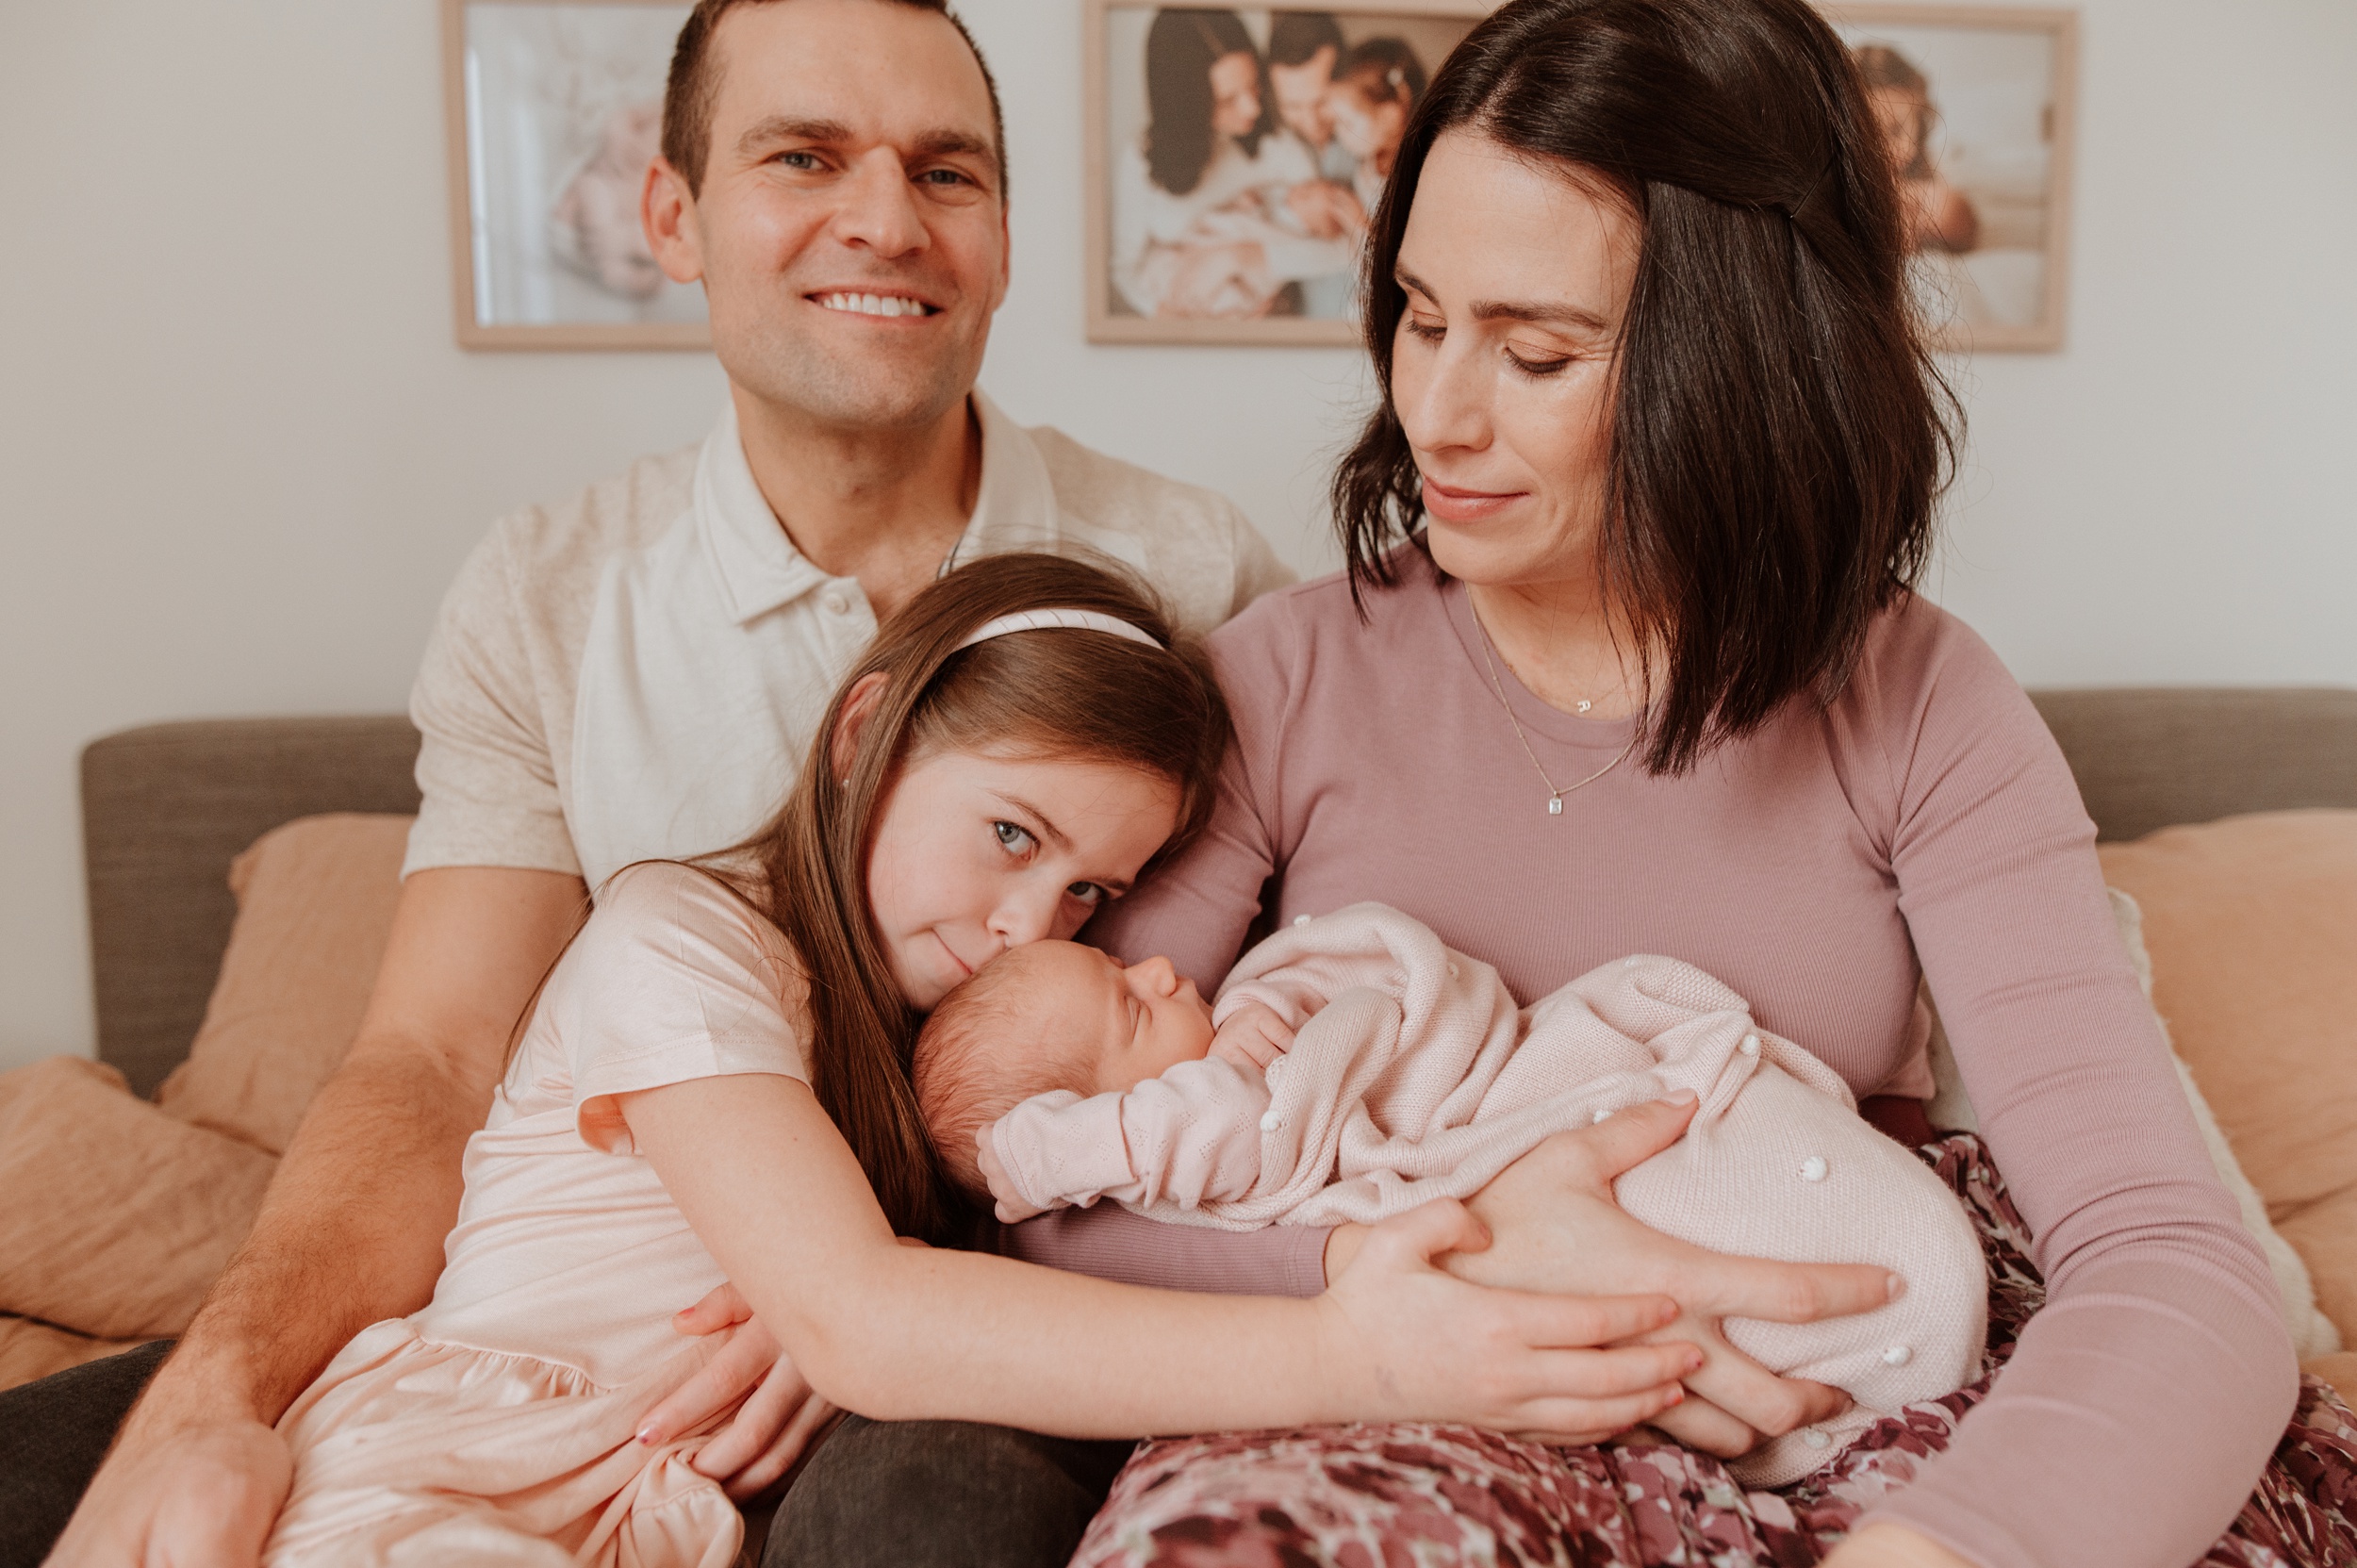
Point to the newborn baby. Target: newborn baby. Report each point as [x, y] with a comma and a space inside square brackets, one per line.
[1355, 1067]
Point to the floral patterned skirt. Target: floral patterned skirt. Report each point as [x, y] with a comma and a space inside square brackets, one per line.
[1425, 1495]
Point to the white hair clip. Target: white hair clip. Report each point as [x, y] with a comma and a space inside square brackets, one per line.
[1058, 620]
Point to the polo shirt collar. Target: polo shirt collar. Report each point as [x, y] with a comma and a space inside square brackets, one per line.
[760, 571]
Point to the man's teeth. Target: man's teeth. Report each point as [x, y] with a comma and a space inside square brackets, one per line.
[874, 304]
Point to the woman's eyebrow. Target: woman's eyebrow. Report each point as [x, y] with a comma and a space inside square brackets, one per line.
[1559, 313]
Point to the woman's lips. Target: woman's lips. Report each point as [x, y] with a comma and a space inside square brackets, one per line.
[1451, 504]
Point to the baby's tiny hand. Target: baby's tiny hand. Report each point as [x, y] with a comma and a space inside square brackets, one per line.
[1011, 1209]
[1253, 1036]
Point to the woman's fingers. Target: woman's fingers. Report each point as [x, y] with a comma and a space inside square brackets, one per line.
[1702, 1425]
[1770, 1405]
[1722, 1286]
[1627, 1139]
[1423, 1233]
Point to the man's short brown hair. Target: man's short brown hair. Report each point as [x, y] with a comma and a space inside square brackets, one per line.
[694, 85]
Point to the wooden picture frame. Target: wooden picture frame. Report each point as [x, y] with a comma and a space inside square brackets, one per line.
[511, 201]
[1112, 318]
[2004, 285]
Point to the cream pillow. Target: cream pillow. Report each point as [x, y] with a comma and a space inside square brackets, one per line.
[2311, 1332]
[315, 906]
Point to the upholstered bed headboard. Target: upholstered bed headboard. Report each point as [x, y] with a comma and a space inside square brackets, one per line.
[166, 807]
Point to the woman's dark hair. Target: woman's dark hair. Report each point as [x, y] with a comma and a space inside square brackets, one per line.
[1383, 71]
[1779, 434]
[1050, 693]
[1882, 67]
[1181, 46]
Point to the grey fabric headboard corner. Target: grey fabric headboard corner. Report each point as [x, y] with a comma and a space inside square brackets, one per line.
[167, 807]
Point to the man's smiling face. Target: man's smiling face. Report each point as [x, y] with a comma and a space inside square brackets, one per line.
[851, 229]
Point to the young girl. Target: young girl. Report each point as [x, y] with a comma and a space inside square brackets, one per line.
[1375, 89]
[713, 1085]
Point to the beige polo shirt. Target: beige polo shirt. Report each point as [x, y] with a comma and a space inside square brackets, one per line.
[637, 672]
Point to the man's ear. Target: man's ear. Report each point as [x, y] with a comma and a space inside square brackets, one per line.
[857, 709]
[667, 210]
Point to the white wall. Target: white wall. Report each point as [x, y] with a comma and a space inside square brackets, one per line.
[239, 457]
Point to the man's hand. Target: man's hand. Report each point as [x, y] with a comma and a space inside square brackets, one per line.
[1012, 1207]
[1558, 1229]
[200, 1496]
[776, 1427]
[1253, 1036]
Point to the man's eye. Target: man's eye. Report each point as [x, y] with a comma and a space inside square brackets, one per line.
[944, 176]
[799, 160]
[1012, 839]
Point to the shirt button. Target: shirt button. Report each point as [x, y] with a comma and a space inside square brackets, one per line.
[1270, 1122]
[1898, 1355]
[837, 603]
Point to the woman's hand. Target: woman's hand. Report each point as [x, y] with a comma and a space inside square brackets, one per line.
[777, 1425]
[1893, 1546]
[1434, 1348]
[1558, 1229]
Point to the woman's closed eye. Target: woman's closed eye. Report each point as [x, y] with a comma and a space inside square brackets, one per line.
[1538, 361]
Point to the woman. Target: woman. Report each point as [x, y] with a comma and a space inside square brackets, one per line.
[1202, 223]
[1652, 677]
[1935, 215]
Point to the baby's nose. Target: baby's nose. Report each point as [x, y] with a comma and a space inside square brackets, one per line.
[1160, 974]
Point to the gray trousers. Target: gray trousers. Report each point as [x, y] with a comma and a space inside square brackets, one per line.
[886, 1494]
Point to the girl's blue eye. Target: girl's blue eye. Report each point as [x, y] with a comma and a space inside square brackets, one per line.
[1012, 839]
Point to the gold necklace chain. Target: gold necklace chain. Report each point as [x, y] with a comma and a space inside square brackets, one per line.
[1555, 796]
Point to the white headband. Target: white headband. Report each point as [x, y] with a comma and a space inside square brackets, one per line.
[1060, 620]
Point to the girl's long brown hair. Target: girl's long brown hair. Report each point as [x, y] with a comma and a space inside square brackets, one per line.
[1058, 693]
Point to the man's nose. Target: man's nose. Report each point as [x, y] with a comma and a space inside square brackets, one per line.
[879, 210]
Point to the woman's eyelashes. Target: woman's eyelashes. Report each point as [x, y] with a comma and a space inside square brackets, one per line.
[1532, 363]
[1015, 838]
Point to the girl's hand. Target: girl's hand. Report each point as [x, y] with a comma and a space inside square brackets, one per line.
[778, 1423]
[1558, 1229]
[1395, 1329]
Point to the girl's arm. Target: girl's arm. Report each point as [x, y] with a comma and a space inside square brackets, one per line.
[897, 1333]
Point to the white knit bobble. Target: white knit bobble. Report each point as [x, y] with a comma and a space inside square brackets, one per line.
[1301, 919]
[1814, 1438]
[1898, 1355]
[1751, 1045]
[1630, 962]
[1602, 1115]
[1270, 1122]
[1813, 1168]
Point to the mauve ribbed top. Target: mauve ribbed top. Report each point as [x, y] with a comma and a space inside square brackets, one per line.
[1927, 812]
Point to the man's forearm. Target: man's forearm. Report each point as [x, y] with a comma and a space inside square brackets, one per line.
[350, 1234]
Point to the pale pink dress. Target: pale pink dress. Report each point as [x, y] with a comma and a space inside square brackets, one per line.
[496, 1425]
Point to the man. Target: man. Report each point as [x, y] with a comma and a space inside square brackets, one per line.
[1303, 47]
[637, 672]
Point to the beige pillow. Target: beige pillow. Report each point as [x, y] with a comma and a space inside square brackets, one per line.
[117, 1217]
[30, 1350]
[315, 905]
[2253, 926]
[2312, 1333]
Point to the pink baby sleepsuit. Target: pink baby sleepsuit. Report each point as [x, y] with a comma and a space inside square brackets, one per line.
[1413, 1076]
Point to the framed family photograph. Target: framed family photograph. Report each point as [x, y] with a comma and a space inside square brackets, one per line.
[1234, 154]
[1976, 108]
[554, 109]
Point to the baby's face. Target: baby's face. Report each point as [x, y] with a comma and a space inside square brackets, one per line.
[1143, 1017]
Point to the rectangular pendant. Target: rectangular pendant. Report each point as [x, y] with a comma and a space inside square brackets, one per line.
[1554, 805]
